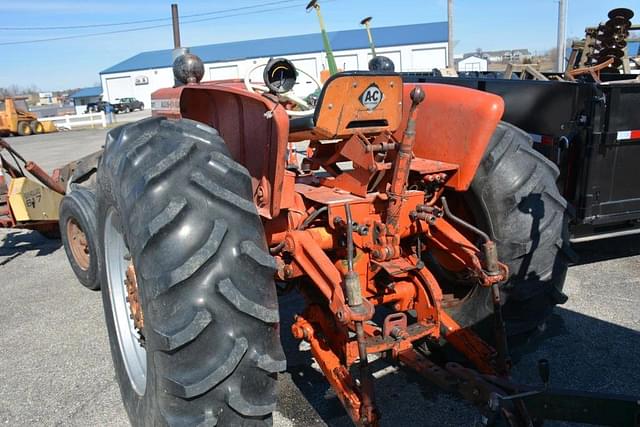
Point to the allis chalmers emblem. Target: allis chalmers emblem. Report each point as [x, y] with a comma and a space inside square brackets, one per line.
[371, 97]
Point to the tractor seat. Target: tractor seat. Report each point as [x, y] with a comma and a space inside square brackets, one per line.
[354, 101]
[297, 124]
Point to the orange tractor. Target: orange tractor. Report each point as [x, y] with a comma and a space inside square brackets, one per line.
[415, 216]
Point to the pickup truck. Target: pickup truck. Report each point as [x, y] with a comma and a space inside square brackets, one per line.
[126, 105]
[94, 107]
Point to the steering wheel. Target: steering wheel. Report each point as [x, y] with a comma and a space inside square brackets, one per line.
[306, 109]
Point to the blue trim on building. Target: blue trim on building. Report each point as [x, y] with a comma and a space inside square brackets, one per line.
[435, 32]
[87, 92]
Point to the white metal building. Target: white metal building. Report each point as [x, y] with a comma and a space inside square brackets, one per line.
[418, 47]
[472, 63]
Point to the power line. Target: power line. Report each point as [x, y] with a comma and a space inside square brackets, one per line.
[128, 30]
[143, 21]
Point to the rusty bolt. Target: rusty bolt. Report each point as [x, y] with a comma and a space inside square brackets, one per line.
[288, 271]
[297, 332]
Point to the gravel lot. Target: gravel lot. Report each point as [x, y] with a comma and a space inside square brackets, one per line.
[55, 367]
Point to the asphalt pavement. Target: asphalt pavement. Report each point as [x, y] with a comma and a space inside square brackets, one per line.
[55, 366]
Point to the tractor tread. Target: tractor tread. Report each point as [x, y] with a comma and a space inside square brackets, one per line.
[214, 378]
[222, 194]
[164, 218]
[186, 334]
[169, 163]
[195, 262]
[231, 293]
[514, 197]
[271, 365]
[257, 255]
[223, 164]
[241, 405]
[204, 273]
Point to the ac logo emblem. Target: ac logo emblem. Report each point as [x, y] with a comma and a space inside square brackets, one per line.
[371, 97]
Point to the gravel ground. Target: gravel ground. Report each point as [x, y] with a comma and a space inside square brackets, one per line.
[55, 367]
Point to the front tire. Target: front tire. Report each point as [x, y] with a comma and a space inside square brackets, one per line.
[514, 198]
[172, 202]
[77, 224]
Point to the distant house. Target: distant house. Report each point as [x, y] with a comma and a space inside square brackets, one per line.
[46, 98]
[472, 63]
[85, 96]
[519, 55]
[514, 55]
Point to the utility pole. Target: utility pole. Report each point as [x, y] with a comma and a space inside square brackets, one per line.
[561, 44]
[450, 24]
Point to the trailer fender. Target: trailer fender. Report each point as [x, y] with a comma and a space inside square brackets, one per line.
[454, 125]
[81, 171]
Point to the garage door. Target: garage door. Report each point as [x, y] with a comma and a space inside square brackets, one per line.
[428, 59]
[119, 87]
[347, 62]
[224, 72]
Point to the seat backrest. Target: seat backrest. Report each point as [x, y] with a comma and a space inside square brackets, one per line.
[359, 101]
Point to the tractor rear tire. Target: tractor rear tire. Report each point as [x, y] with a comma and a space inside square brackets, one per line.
[515, 199]
[24, 129]
[77, 225]
[172, 201]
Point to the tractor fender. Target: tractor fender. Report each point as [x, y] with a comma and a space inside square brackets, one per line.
[255, 129]
[454, 125]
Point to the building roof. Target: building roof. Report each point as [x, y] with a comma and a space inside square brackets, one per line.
[472, 58]
[434, 32]
[87, 92]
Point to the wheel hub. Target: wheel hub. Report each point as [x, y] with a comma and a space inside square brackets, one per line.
[133, 299]
[78, 244]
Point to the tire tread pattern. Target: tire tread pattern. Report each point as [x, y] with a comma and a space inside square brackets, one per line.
[526, 215]
[211, 313]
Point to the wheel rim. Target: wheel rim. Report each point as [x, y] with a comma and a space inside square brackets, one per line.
[117, 263]
[78, 244]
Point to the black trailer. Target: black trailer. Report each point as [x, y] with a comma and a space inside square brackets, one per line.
[590, 130]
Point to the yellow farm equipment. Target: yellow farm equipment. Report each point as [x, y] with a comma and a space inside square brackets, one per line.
[16, 119]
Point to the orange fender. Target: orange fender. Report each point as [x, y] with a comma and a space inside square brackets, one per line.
[454, 125]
